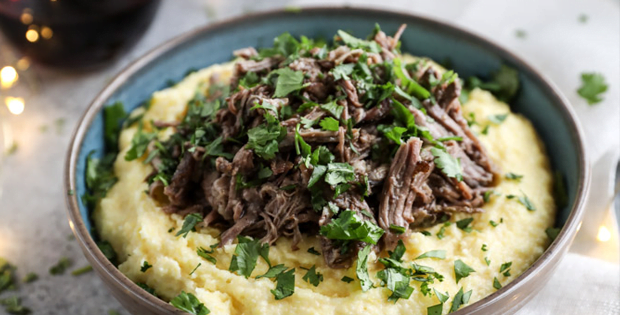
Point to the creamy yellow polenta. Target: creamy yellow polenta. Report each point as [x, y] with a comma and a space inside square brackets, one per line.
[138, 230]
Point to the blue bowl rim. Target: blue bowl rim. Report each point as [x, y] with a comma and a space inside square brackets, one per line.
[558, 247]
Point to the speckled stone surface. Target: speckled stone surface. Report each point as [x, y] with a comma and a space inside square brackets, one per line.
[34, 232]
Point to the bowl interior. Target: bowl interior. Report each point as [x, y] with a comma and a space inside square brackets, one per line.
[468, 55]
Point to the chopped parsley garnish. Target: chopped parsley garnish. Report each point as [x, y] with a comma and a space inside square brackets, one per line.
[145, 266]
[484, 248]
[346, 279]
[396, 277]
[361, 270]
[139, 144]
[288, 81]
[313, 277]
[495, 224]
[504, 83]
[191, 273]
[505, 269]
[552, 233]
[524, 200]
[146, 288]
[7, 275]
[339, 173]
[273, 271]
[464, 224]
[592, 86]
[60, 267]
[443, 298]
[329, 124]
[513, 176]
[108, 251]
[496, 283]
[397, 229]
[438, 253]
[442, 230]
[461, 270]
[498, 119]
[285, 284]
[349, 226]
[189, 225]
[460, 299]
[246, 255]
[81, 271]
[264, 139]
[448, 164]
[354, 42]
[313, 251]
[487, 261]
[426, 233]
[583, 18]
[188, 302]
[435, 309]
[520, 33]
[206, 254]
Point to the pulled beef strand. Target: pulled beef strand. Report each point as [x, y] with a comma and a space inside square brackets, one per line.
[407, 191]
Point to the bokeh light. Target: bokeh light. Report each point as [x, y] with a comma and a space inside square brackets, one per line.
[32, 35]
[603, 234]
[15, 105]
[46, 32]
[8, 76]
[23, 64]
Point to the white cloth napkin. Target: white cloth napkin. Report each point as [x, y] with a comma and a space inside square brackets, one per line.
[580, 285]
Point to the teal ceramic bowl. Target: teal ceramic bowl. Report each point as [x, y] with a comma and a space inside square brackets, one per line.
[470, 55]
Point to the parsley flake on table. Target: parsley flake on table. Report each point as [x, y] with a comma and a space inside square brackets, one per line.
[188, 302]
[60, 267]
[313, 277]
[30, 277]
[437, 253]
[285, 284]
[7, 275]
[145, 266]
[520, 33]
[189, 224]
[464, 224]
[246, 255]
[13, 305]
[592, 86]
[461, 270]
[81, 271]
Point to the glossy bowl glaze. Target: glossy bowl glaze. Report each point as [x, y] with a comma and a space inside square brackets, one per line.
[469, 54]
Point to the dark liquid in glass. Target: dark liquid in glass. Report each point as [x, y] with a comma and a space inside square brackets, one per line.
[75, 33]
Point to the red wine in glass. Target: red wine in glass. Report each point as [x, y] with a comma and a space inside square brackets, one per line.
[75, 33]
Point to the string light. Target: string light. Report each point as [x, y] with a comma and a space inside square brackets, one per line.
[15, 105]
[603, 234]
[8, 76]
[23, 64]
[32, 36]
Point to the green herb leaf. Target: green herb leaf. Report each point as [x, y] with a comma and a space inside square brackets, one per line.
[505, 268]
[498, 119]
[146, 288]
[484, 248]
[206, 254]
[81, 271]
[403, 115]
[338, 173]
[460, 299]
[30, 277]
[313, 277]
[189, 225]
[342, 71]
[513, 176]
[188, 302]
[461, 270]
[113, 115]
[487, 261]
[273, 271]
[397, 229]
[443, 298]
[354, 42]
[348, 226]
[329, 124]
[288, 81]
[442, 230]
[464, 224]
[246, 255]
[496, 283]
[192, 272]
[438, 253]
[394, 133]
[313, 251]
[264, 139]
[448, 164]
[145, 266]
[559, 190]
[592, 86]
[13, 305]
[435, 309]
[397, 282]
[333, 108]
[361, 270]
[524, 200]
[139, 144]
[285, 284]
[346, 279]
[408, 84]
